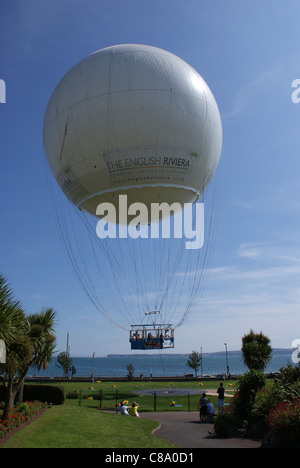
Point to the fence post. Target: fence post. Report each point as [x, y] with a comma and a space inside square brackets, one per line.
[154, 401]
[80, 395]
[100, 398]
[189, 403]
[116, 397]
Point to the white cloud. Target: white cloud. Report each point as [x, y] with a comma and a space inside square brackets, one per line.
[260, 291]
[252, 89]
[270, 251]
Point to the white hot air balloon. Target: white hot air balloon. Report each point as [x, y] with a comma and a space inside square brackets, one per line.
[138, 121]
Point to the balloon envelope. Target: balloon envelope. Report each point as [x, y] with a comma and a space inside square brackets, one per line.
[136, 120]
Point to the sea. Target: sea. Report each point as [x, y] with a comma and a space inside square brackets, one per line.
[161, 365]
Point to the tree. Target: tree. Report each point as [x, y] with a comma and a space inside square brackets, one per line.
[130, 370]
[30, 341]
[194, 361]
[64, 361]
[18, 347]
[256, 349]
[11, 313]
[40, 330]
[32, 346]
[18, 353]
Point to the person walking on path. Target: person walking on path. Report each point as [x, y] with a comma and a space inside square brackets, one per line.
[221, 398]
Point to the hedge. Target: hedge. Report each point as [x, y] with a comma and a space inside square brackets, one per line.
[48, 393]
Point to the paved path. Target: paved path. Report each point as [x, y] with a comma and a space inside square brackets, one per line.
[185, 431]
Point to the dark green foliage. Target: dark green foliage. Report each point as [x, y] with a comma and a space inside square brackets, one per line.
[48, 393]
[64, 361]
[225, 423]
[248, 386]
[257, 351]
[130, 370]
[194, 361]
[284, 421]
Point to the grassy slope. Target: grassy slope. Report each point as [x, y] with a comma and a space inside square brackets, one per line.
[73, 426]
[83, 427]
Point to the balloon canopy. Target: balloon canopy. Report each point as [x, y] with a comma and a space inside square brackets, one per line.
[138, 121]
[135, 120]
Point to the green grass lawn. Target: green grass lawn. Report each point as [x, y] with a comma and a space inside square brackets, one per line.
[114, 392]
[86, 426]
[83, 427]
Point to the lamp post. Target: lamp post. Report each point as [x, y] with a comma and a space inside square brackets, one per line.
[201, 362]
[93, 377]
[227, 365]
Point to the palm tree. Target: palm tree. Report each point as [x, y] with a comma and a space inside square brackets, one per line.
[30, 341]
[40, 331]
[256, 349]
[19, 352]
[11, 313]
[11, 323]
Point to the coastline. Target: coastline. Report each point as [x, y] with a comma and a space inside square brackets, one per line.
[158, 367]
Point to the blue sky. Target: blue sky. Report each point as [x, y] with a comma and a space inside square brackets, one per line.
[248, 53]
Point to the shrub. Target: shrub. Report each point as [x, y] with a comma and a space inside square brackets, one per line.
[284, 420]
[285, 387]
[49, 393]
[287, 383]
[248, 386]
[24, 408]
[72, 395]
[224, 424]
[265, 399]
[289, 374]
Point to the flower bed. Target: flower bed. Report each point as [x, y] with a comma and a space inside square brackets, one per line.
[21, 415]
[284, 420]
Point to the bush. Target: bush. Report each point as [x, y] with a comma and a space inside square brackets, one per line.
[265, 400]
[248, 386]
[289, 374]
[286, 387]
[284, 420]
[49, 393]
[24, 408]
[287, 383]
[72, 395]
[225, 424]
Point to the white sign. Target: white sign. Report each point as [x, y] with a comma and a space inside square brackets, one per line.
[2, 352]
